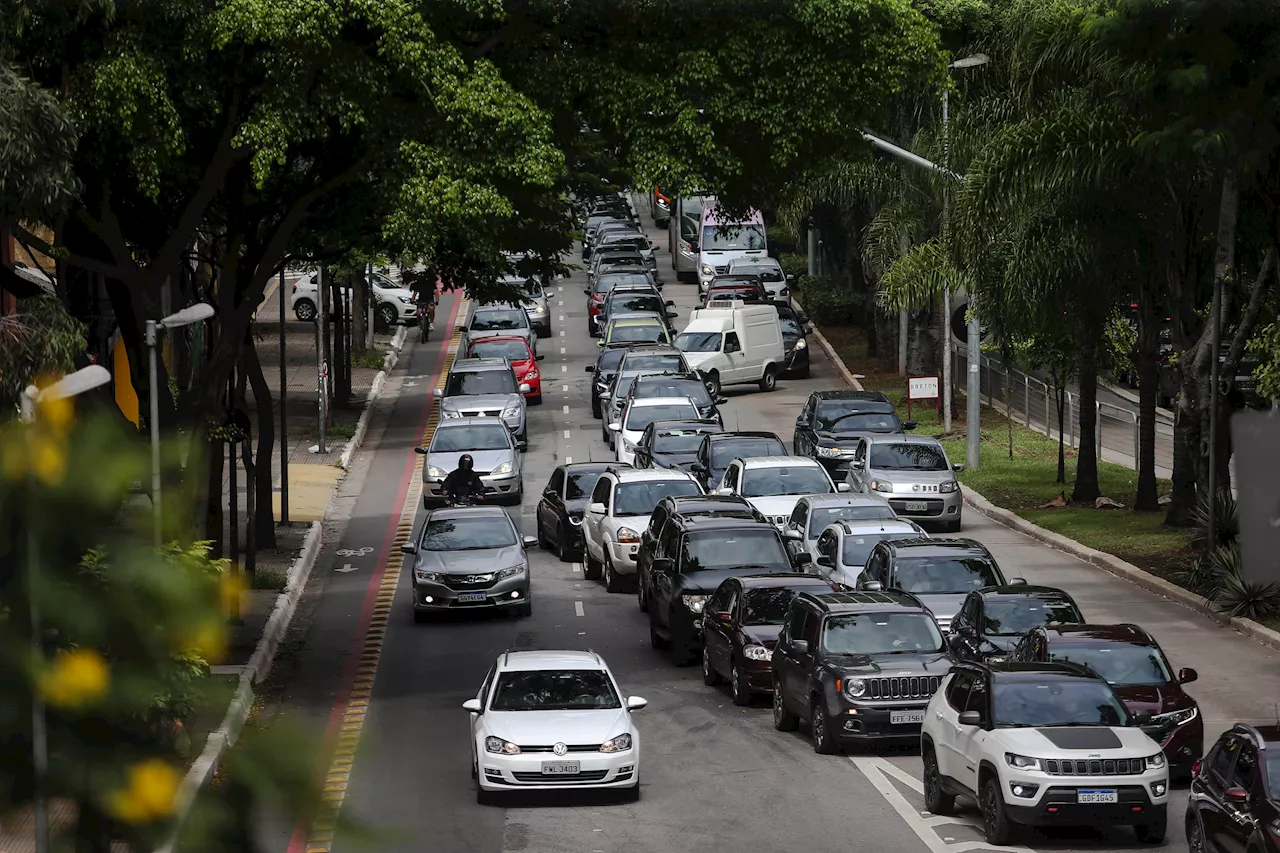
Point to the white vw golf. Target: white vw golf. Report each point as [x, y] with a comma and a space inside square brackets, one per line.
[553, 719]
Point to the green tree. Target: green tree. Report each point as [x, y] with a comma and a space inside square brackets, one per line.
[40, 339]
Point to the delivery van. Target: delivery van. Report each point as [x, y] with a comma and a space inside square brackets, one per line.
[731, 342]
[722, 239]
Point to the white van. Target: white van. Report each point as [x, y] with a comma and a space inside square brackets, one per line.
[730, 342]
[722, 239]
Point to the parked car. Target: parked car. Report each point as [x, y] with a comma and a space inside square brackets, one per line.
[993, 619]
[485, 388]
[524, 364]
[815, 513]
[844, 547]
[564, 502]
[770, 273]
[671, 444]
[717, 451]
[469, 558]
[394, 304]
[832, 422]
[491, 446]
[740, 625]
[498, 320]
[568, 723]
[1235, 793]
[773, 484]
[913, 473]
[940, 572]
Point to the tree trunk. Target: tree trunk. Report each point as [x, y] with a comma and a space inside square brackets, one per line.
[1186, 447]
[360, 311]
[1147, 498]
[1086, 487]
[93, 829]
[1060, 397]
[214, 517]
[263, 517]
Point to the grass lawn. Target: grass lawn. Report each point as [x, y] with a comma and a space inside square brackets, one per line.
[1025, 479]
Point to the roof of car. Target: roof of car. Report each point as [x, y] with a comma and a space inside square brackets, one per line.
[476, 420]
[684, 425]
[783, 581]
[875, 525]
[745, 434]
[670, 376]
[704, 523]
[636, 318]
[495, 339]
[495, 306]
[682, 504]
[901, 438]
[468, 512]
[1036, 671]
[843, 499]
[938, 547]
[755, 261]
[474, 363]
[637, 475]
[779, 462]
[585, 467]
[843, 394]
[1021, 591]
[848, 602]
[549, 659]
[646, 402]
[1082, 634]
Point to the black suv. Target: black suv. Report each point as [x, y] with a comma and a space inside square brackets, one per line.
[993, 619]
[692, 558]
[831, 422]
[718, 450]
[1235, 793]
[940, 572]
[831, 662]
[605, 368]
[684, 507]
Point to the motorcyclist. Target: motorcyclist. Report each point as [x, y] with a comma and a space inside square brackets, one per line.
[463, 481]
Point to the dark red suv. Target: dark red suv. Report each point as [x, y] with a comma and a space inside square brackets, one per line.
[1131, 661]
[1234, 804]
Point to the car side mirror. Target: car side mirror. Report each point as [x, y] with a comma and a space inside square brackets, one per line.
[1017, 581]
[698, 468]
[662, 565]
[791, 276]
[586, 290]
[635, 703]
[600, 344]
[801, 560]
[408, 548]
[539, 357]
[615, 427]
[801, 422]
[824, 560]
[526, 388]
[529, 541]
[808, 330]
[968, 632]
[724, 491]
[908, 425]
[872, 586]
[439, 392]
[843, 487]
[970, 718]
[422, 451]
[591, 368]
[596, 508]
[1237, 795]
[720, 401]
[958, 467]
[1186, 675]
[793, 534]
[472, 705]
[801, 647]
[672, 314]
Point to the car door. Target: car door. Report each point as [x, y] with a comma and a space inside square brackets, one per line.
[719, 634]
[971, 739]
[662, 583]
[482, 696]
[788, 660]
[702, 464]
[649, 540]
[551, 507]
[946, 722]
[1212, 803]
[1238, 823]
[827, 563]
[592, 521]
[961, 641]
[644, 449]
[857, 474]
[735, 360]
[801, 444]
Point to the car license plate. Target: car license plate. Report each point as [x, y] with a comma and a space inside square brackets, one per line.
[470, 597]
[1096, 797]
[915, 506]
[902, 717]
[559, 768]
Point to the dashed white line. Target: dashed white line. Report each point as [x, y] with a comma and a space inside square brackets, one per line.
[564, 388]
[577, 608]
[562, 333]
[562, 350]
[566, 410]
[568, 434]
[568, 460]
[561, 318]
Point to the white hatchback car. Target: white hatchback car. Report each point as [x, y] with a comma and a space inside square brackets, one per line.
[639, 413]
[396, 304]
[773, 484]
[553, 720]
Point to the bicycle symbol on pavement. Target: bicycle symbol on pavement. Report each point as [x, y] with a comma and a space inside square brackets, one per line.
[353, 552]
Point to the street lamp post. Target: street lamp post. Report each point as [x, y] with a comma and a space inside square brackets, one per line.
[73, 385]
[185, 317]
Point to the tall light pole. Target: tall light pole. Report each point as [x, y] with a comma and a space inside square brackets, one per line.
[185, 317]
[73, 385]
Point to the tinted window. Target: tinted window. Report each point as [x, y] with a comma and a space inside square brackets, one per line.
[698, 341]
[480, 382]
[624, 302]
[1273, 776]
[857, 546]
[803, 480]
[1005, 616]
[495, 319]
[640, 417]
[691, 388]
[789, 325]
[822, 516]
[551, 690]
[666, 362]
[640, 332]
[477, 437]
[829, 411]
[641, 498]
[1057, 703]
[766, 606]
[610, 359]
[722, 238]
[938, 575]
[1121, 664]
[724, 452]
[677, 441]
[881, 633]
[467, 534]
[908, 457]
[958, 690]
[514, 350]
[864, 422]
[765, 273]
[1243, 774]
[607, 282]
[580, 485]
[731, 549]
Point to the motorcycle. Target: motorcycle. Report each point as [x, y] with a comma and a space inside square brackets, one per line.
[463, 500]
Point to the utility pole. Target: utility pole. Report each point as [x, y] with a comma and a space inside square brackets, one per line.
[946, 288]
[284, 421]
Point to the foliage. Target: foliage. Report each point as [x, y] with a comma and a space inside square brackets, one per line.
[1119, 344]
[37, 140]
[1265, 347]
[41, 339]
[1226, 519]
[823, 297]
[794, 263]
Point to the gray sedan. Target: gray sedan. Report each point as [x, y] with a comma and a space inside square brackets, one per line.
[913, 473]
[499, 320]
[470, 558]
[491, 446]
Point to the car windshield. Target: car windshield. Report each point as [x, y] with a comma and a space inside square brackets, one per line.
[857, 546]
[677, 441]
[641, 498]
[578, 487]
[830, 411]
[732, 238]
[381, 282]
[820, 517]
[1273, 776]
[640, 417]
[554, 690]
[724, 452]
[691, 388]
[531, 289]
[480, 382]
[1122, 664]
[610, 359]
[880, 634]
[640, 332]
[623, 302]
[470, 437]
[731, 549]
[621, 263]
[945, 575]
[766, 606]
[789, 325]
[628, 241]
[908, 457]
[471, 533]
[606, 283]
[698, 341]
[1010, 617]
[764, 273]
[800, 480]
[499, 319]
[1057, 703]
[667, 362]
[514, 350]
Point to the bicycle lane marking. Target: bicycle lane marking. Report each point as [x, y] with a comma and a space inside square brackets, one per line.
[346, 720]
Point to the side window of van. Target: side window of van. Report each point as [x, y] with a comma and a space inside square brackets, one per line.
[731, 342]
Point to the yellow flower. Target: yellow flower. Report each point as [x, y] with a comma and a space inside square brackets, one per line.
[76, 677]
[48, 459]
[150, 792]
[208, 641]
[56, 415]
[231, 587]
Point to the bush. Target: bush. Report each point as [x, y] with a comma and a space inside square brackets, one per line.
[794, 263]
[828, 302]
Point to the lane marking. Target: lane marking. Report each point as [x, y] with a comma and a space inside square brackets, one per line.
[346, 567]
[566, 411]
[564, 368]
[577, 607]
[564, 388]
[566, 435]
[561, 318]
[562, 350]
[562, 333]
[568, 460]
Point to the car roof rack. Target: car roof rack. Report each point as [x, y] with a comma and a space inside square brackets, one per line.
[619, 467]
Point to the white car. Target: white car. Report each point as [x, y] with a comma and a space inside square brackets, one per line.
[1042, 745]
[395, 304]
[842, 549]
[638, 414]
[773, 484]
[775, 281]
[815, 513]
[553, 720]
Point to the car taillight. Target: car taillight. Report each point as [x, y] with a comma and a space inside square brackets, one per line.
[295, 287]
[1195, 768]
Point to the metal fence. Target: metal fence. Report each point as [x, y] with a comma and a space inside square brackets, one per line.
[1033, 402]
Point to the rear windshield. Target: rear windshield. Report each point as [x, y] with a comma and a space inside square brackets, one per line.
[945, 575]
[691, 388]
[857, 546]
[724, 452]
[606, 283]
[622, 303]
[475, 437]
[641, 416]
[480, 382]
[765, 273]
[908, 457]
[677, 441]
[514, 350]
[640, 332]
[497, 319]
[666, 362]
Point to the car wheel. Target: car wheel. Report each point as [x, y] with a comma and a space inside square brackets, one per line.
[543, 542]
[387, 314]
[824, 740]
[536, 399]
[424, 332]
[803, 373]
[419, 617]
[595, 408]
[738, 686]
[655, 639]
[783, 720]
[304, 310]
[1195, 835]
[612, 581]
[485, 798]
[632, 794]
[641, 599]
[590, 566]
[770, 379]
[953, 526]
[563, 549]
[936, 800]
[709, 675]
[713, 384]
[1150, 833]
[683, 651]
[525, 610]
[544, 332]
[995, 820]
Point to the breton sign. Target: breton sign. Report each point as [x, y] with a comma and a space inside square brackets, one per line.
[921, 388]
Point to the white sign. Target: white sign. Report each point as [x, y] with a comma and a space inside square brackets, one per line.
[922, 388]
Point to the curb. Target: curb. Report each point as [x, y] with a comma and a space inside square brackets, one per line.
[397, 342]
[1121, 569]
[847, 376]
[1161, 411]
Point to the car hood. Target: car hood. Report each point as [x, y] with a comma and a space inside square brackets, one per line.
[1152, 698]
[481, 561]
[485, 460]
[707, 581]
[764, 635]
[471, 402]
[693, 359]
[934, 663]
[477, 334]
[943, 605]
[1077, 740]
[675, 460]
[844, 438]
[903, 480]
[541, 728]
[772, 505]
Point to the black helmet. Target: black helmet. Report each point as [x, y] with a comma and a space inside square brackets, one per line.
[466, 463]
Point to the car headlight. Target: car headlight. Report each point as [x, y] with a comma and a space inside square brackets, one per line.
[754, 652]
[511, 410]
[695, 603]
[450, 413]
[621, 743]
[948, 487]
[1022, 762]
[601, 387]
[628, 445]
[706, 269]
[996, 658]
[509, 573]
[801, 344]
[855, 688]
[531, 375]
[436, 473]
[1156, 762]
[429, 577]
[503, 468]
[1178, 718]
[501, 747]
[830, 452]
[784, 292]
[881, 485]
[405, 299]
[626, 534]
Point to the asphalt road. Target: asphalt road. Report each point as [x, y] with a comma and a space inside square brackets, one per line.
[713, 774]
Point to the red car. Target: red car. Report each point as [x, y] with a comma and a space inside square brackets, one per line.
[747, 288]
[523, 361]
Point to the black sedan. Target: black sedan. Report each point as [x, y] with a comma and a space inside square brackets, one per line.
[795, 343]
[993, 619]
[672, 444]
[719, 449]
[564, 500]
[605, 368]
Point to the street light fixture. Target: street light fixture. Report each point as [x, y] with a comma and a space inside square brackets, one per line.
[73, 385]
[185, 317]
